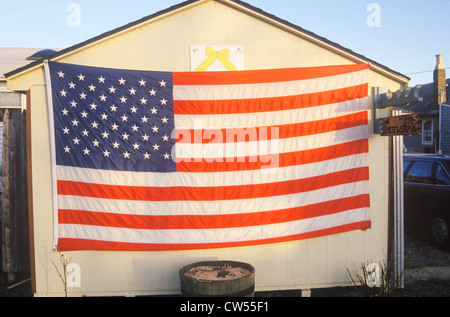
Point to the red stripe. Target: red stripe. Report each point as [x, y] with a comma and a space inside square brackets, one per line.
[210, 193]
[275, 160]
[263, 76]
[206, 136]
[197, 107]
[69, 244]
[211, 221]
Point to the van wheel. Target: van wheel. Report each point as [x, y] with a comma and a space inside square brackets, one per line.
[439, 231]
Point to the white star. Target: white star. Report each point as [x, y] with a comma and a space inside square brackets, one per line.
[86, 151]
[116, 145]
[66, 149]
[125, 136]
[142, 82]
[156, 147]
[164, 101]
[166, 156]
[93, 106]
[83, 95]
[152, 92]
[153, 110]
[126, 154]
[136, 146]
[164, 120]
[124, 118]
[65, 112]
[135, 128]
[115, 126]
[101, 79]
[144, 119]
[75, 122]
[105, 135]
[103, 97]
[63, 93]
[85, 132]
[66, 130]
[146, 156]
[104, 116]
[112, 90]
[73, 104]
[145, 137]
[113, 108]
[143, 101]
[155, 128]
[92, 88]
[132, 91]
[94, 125]
[76, 140]
[96, 143]
[162, 83]
[84, 114]
[165, 138]
[133, 109]
[72, 85]
[81, 77]
[123, 99]
[61, 74]
[106, 153]
[122, 81]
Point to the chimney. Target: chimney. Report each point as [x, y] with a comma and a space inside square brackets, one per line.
[439, 82]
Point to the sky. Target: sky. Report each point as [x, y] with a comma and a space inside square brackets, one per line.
[404, 35]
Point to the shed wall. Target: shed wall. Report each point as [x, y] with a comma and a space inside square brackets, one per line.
[164, 45]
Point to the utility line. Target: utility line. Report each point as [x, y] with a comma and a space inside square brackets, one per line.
[425, 71]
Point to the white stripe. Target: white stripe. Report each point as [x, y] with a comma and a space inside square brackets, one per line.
[193, 236]
[192, 152]
[271, 118]
[110, 177]
[165, 208]
[268, 90]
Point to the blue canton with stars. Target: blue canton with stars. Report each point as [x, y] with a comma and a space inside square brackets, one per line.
[112, 119]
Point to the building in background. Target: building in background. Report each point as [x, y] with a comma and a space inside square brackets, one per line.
[435, 114]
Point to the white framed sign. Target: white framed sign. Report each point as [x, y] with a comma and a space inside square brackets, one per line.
[217, 57]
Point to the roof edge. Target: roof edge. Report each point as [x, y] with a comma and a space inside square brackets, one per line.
[235, 4]
[104, 35]
[315, 37]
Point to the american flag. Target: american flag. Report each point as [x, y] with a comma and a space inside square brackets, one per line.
[186, 160]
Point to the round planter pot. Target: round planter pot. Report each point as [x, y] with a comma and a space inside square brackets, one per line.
[218, 279]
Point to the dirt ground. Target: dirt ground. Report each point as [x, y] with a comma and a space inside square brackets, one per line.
[426, 273]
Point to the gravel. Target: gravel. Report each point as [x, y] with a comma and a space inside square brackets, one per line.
[426, 273]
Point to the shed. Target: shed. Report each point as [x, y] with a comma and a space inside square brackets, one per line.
[163, 42]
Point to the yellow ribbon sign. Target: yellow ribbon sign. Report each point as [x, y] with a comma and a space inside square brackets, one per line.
[213, 55]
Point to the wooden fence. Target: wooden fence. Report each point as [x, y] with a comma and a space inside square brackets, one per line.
[15, 255]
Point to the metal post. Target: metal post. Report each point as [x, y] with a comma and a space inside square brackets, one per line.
[398, 207]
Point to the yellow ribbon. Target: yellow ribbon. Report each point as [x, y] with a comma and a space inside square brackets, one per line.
[213, 55]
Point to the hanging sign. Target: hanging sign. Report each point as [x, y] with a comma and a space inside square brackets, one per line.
[401, 125]
[217, 58]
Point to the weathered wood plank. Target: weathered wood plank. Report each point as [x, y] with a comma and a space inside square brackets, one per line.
[15, 242]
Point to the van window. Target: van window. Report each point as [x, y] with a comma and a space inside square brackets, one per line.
[420, 172]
